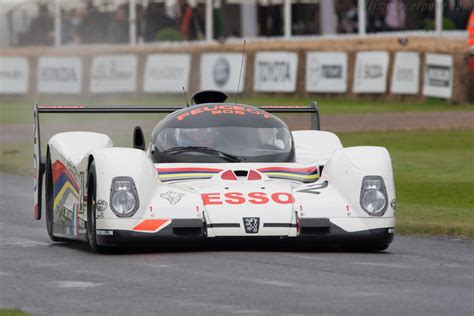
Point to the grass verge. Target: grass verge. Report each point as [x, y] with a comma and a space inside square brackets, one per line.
[12, 112]
[17, 158]
[12, 312]
[434, 178]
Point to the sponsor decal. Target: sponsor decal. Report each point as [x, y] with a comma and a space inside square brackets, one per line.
[82, 223]
[101, 205]
[70, 219]
[66, 200]
[167, 73]
[371, 72]
[173, 174]
[113, 73]
[75, 219]
[74, 172]
[59, 75]
[152, 225]
[251, 224]
[173, 72]
[100, 208]
[275, 71]
[314, 189]
[221, 72]
[326, 72]
[14, 74]
[172, 197]
[65, 214]
[35, 172]
[406, 73]
[65, 184]
[307, 175]
[438, 76]
[223, 109]
[82, 200]
[238, 198]
[331, 71]
[439, 73]
[393, 204]
[11, 74]
[104, 232]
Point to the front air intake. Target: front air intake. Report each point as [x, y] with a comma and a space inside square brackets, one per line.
[314, 226]
[241, 173]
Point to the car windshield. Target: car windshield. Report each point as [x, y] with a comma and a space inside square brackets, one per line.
[242, 133]
[233, 140]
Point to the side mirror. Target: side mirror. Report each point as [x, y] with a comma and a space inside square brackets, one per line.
[138, 138]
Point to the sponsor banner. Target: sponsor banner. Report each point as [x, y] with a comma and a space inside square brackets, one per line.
[326, 72]
[370, 75]
[167, 73]
[438, 80]
[62, 75]
[275, 71]
[222, 71]
[114, 73]
[406, 73]
[13, 75]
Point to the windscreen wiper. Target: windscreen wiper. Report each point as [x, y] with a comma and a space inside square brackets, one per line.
[205, 150]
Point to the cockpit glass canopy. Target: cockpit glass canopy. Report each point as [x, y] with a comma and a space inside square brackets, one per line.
[238, 130]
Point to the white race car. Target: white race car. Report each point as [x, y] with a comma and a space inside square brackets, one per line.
[214, 170]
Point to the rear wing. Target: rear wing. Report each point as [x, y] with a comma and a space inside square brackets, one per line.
[39, 161]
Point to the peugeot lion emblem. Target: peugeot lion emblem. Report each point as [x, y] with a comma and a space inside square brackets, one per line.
[172, 197]
[251, 224]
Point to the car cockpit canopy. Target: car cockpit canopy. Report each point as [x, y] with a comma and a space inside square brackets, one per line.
[221, 132]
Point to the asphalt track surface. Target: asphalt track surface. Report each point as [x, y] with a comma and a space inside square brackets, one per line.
[416, 276]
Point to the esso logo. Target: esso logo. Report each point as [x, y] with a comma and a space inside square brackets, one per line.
[237, 198]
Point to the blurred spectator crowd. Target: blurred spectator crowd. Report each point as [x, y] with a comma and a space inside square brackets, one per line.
[98, 24]
[155, 21]
[400, 15]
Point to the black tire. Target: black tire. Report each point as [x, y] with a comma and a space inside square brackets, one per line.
[49, 203]
[91, 211]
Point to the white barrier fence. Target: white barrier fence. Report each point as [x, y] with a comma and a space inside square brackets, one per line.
[274, 71]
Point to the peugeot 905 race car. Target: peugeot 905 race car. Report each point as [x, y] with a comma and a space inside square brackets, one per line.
[213, 170]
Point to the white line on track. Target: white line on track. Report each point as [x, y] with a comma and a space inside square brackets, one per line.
[389, 265]
[5, 273]
[157, 265]
[383, 265]
[74, 284]
[24, 243]
[273, 282]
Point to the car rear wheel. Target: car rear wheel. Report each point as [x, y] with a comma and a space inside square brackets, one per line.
[49, 203]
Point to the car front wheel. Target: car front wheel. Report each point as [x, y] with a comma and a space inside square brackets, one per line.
[91, 211]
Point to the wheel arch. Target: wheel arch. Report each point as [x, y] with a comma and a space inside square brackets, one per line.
[121, 162]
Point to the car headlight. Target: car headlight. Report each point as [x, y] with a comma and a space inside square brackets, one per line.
[123, 197]
[373, 195]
